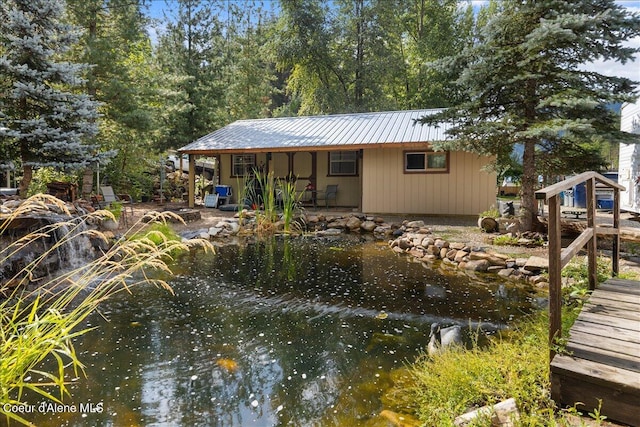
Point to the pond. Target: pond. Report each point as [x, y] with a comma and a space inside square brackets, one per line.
[284, 332]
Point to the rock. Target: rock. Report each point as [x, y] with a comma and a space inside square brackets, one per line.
[414, 224]
[418, 253]
[451, 254]
[456, 245]
[337, 223]
[427, 241]
[493, 259]
[433, 250]
[440, 243]
[505, 272]
[405, 244]
[382, 230]
[460, 256]
[214, 231]
[397, 249]
[368, 226]
[329, 232]
[520, 262]
[477, 265]
[443, 253]
[536, 264]
[353, 223]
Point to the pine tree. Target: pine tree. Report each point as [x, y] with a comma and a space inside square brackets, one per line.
[525, 84]
[46, 120]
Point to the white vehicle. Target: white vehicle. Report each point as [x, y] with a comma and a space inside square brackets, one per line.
[173, 161]
[629, 159]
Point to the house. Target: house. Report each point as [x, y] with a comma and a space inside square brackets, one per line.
[629, 159]
[382, 162]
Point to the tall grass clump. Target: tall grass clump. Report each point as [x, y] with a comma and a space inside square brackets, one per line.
[290, 201]
[515, 364]
[40, 325]
[439, 388]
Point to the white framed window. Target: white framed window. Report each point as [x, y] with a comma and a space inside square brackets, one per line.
[242, 164]
[343, 163]
[426, 161]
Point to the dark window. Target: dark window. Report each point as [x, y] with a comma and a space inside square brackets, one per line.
[243, 164]
[343, 163]
[426, 161]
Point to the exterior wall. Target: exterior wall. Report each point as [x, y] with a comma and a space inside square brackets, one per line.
[465, 190]
[629, 160]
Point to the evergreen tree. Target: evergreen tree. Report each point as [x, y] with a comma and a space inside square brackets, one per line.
[45, 120]
[121, 79]
[190, 53]
[525, 84]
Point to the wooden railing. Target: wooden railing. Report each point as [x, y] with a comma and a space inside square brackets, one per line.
[559, 257]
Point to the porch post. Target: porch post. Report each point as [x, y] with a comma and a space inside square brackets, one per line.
[192, 181]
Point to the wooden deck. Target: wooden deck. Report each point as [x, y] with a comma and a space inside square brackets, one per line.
[604, 360]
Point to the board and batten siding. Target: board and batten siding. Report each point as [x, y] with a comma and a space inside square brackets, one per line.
[465, 190]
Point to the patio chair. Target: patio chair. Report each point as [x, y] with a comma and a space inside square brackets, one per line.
[329, 193]
[109, 197]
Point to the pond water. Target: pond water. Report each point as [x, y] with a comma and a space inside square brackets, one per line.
[301, 332]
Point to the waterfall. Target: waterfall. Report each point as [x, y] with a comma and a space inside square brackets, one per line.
[64, 244]
[73, 246]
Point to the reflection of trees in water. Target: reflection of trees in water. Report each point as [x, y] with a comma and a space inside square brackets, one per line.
[278, 332]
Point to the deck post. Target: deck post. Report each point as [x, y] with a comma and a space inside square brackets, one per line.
[615, 249]
[555, 279]
[592, 247]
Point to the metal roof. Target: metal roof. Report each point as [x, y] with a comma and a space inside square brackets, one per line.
[320, 132]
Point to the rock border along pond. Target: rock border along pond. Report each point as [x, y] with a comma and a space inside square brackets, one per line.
[412, 238]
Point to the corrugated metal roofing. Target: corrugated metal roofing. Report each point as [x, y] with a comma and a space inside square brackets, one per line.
[316, 132]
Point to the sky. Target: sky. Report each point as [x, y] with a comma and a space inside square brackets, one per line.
[629, 70]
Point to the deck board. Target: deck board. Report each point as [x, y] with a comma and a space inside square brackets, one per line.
[603, 354]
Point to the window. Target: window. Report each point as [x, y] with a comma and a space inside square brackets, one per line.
[242, 164]
[343, 163]
[426, 161]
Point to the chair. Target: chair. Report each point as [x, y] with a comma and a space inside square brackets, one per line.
[110, 197]
[331, 192]
[211, 201]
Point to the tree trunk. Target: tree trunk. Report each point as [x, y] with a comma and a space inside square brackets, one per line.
[529, 180]
[87, 183]
[27, 174]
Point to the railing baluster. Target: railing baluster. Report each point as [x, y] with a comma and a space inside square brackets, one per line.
[592, 247]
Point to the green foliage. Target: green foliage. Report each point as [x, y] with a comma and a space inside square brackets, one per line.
[492, 212]
[437, 389]
[39, 326]
[524, 84]
[505, 240]
[45, 119]
[44, 176]
[290, 201]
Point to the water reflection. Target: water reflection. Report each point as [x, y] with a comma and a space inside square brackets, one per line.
[293, 332]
